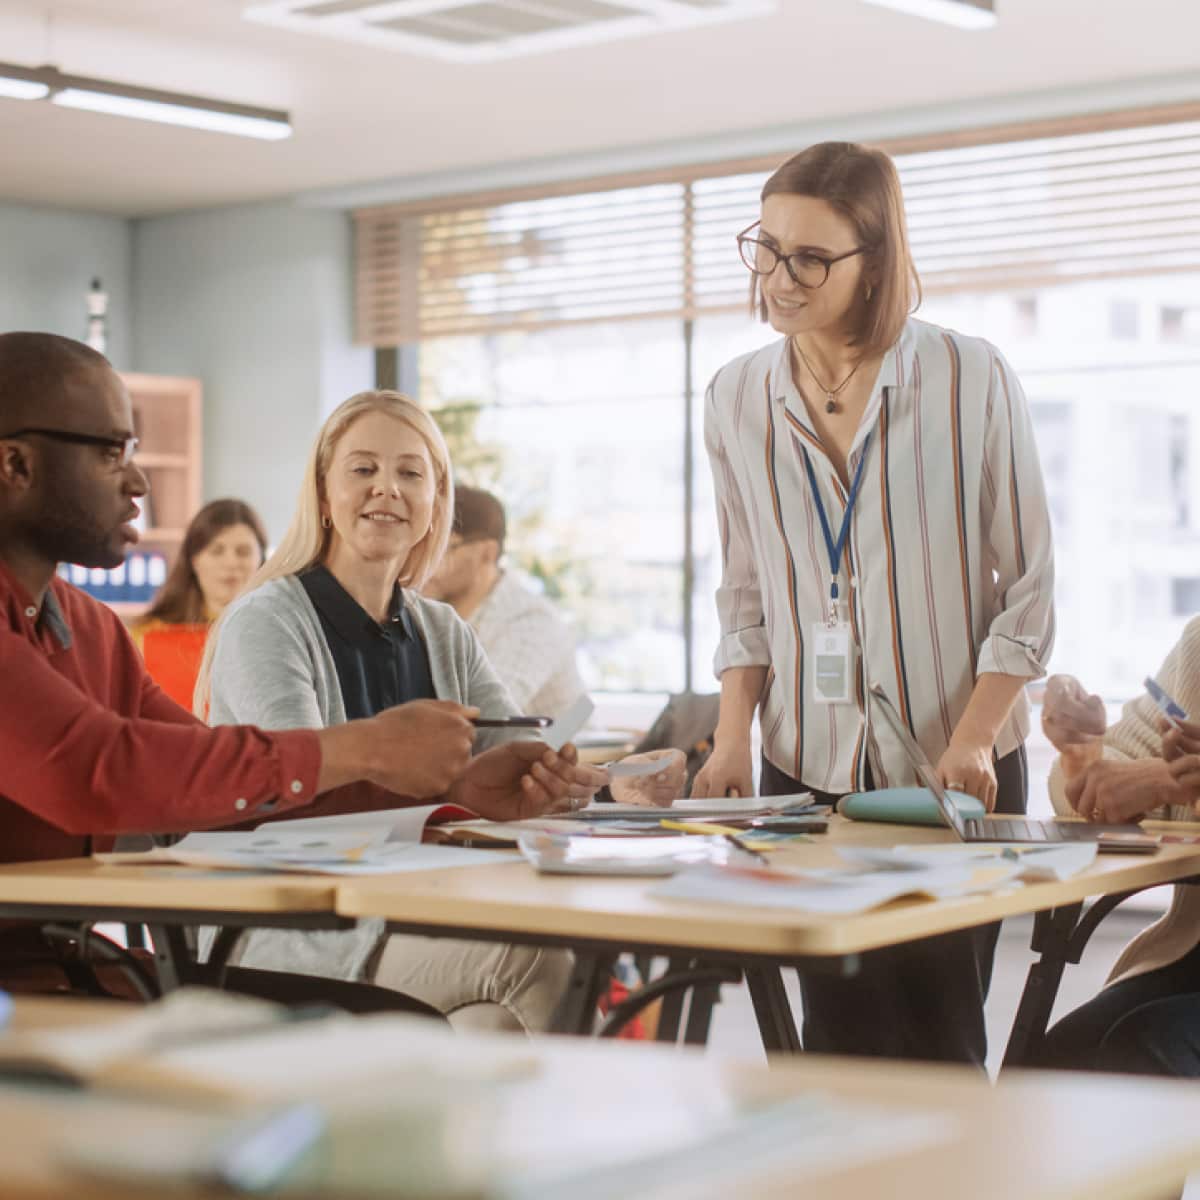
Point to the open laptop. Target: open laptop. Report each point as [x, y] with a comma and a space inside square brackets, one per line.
[1125, 839]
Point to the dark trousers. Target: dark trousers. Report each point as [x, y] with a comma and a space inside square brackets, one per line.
[922, 999]
[1147, 1025]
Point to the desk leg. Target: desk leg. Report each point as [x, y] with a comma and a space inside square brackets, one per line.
[172, 962]
[774, 1014]
[577, 1011]
[1052, 932]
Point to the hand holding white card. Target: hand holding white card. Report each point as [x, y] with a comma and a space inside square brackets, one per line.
[569, 724]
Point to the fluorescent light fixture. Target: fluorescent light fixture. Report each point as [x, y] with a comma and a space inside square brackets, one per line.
[20, 83]
[22, 89]
[966, 14]
[145, 104]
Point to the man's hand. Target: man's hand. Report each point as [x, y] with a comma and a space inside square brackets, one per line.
[517, 780]
[417, 749]
[586, 781]
[966, 767]
[1074, 721]
[658, 790]
[1119, 792]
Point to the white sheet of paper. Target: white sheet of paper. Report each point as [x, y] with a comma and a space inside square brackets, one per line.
[387, 825]
[1033, 862]
[830, 892]
[569, 724]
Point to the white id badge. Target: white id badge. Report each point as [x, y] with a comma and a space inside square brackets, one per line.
[833, 663]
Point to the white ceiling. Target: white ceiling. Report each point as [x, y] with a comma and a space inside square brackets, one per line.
[363, 114]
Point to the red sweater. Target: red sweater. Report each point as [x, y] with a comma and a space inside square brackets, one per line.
[89, 744]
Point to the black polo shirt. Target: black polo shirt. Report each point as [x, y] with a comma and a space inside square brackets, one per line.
[377, 666]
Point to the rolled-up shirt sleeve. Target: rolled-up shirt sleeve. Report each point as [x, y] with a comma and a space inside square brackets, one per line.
[1017, 527]
[744, 641]
[88, 770]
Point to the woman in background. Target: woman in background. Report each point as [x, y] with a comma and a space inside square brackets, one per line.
[224, 545]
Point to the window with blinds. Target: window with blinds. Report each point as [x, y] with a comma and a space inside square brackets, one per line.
[1050, 204]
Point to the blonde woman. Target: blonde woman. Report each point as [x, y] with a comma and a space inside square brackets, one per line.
[332, 628]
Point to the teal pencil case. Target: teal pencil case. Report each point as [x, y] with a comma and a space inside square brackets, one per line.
[905, 806]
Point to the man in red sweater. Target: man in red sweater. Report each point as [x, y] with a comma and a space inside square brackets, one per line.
[89, 744]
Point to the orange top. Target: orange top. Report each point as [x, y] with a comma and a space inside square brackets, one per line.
[173, 654]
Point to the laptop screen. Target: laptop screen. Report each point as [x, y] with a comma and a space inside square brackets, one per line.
[924, 768]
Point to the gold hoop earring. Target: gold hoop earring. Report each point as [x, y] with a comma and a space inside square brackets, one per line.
[326, 523]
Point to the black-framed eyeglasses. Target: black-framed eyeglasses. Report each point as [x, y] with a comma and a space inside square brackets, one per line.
[127, 446]
[808, 269]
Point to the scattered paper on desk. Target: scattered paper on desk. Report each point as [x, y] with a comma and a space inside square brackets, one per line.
[827, 891]
[553, 855]
[569, 724]
[743, 807]
[1034, 863]
[330, 854]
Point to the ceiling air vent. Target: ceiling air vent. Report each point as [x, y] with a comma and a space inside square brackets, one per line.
[485, 30]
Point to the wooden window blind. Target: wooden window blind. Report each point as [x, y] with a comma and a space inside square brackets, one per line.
[987, 209]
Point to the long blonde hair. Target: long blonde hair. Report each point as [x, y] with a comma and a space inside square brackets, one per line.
[306, 541]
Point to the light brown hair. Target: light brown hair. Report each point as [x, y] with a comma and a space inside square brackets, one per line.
[180, 600]
[862, 185]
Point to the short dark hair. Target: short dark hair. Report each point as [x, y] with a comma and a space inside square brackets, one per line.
[478, 515]
[863, 186]
[34, 366]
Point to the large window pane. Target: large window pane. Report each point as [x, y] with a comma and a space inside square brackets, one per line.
[579, 431]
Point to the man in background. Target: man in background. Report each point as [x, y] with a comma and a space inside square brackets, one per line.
[526, 641]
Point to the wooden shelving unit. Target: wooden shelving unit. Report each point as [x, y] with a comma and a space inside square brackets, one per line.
[167, 414]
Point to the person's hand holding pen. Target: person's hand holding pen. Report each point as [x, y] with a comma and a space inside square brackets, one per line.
[585, 780]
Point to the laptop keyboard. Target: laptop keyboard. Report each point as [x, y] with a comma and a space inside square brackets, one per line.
[1015, 829]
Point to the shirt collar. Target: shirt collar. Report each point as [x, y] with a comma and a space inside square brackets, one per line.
[23, 614]
[347, 616]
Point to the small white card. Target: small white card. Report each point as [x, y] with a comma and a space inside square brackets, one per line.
[832, 663]
[569, 724]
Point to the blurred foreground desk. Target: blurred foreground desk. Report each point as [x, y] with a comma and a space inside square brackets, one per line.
[557, 1129]
[601, 917]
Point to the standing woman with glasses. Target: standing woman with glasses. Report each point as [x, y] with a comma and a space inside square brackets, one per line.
[882, 520]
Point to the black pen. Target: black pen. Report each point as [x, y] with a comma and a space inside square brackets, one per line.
[737, 841]
[511, 722]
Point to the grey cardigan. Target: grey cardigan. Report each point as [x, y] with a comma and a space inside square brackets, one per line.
[272, 668]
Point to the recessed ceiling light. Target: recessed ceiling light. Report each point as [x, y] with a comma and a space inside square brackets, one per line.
[966, 14]
[488, 30]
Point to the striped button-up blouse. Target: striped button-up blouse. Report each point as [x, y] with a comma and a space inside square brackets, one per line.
[948, 571]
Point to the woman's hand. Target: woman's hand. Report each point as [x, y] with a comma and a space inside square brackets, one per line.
[966, 767]
[1110, 790]
[728, 772]
[658, 790]
[517, 780]
[1074, 721]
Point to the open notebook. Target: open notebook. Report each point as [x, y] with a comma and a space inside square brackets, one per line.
[367, 843]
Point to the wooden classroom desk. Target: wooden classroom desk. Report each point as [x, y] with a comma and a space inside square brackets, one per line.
[1033, 1135]
[167, 899]
[598, 917]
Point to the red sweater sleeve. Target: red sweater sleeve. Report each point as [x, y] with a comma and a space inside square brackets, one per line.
[88, 770]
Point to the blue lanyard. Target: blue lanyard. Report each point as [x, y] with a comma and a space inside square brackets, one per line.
[835, 548]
